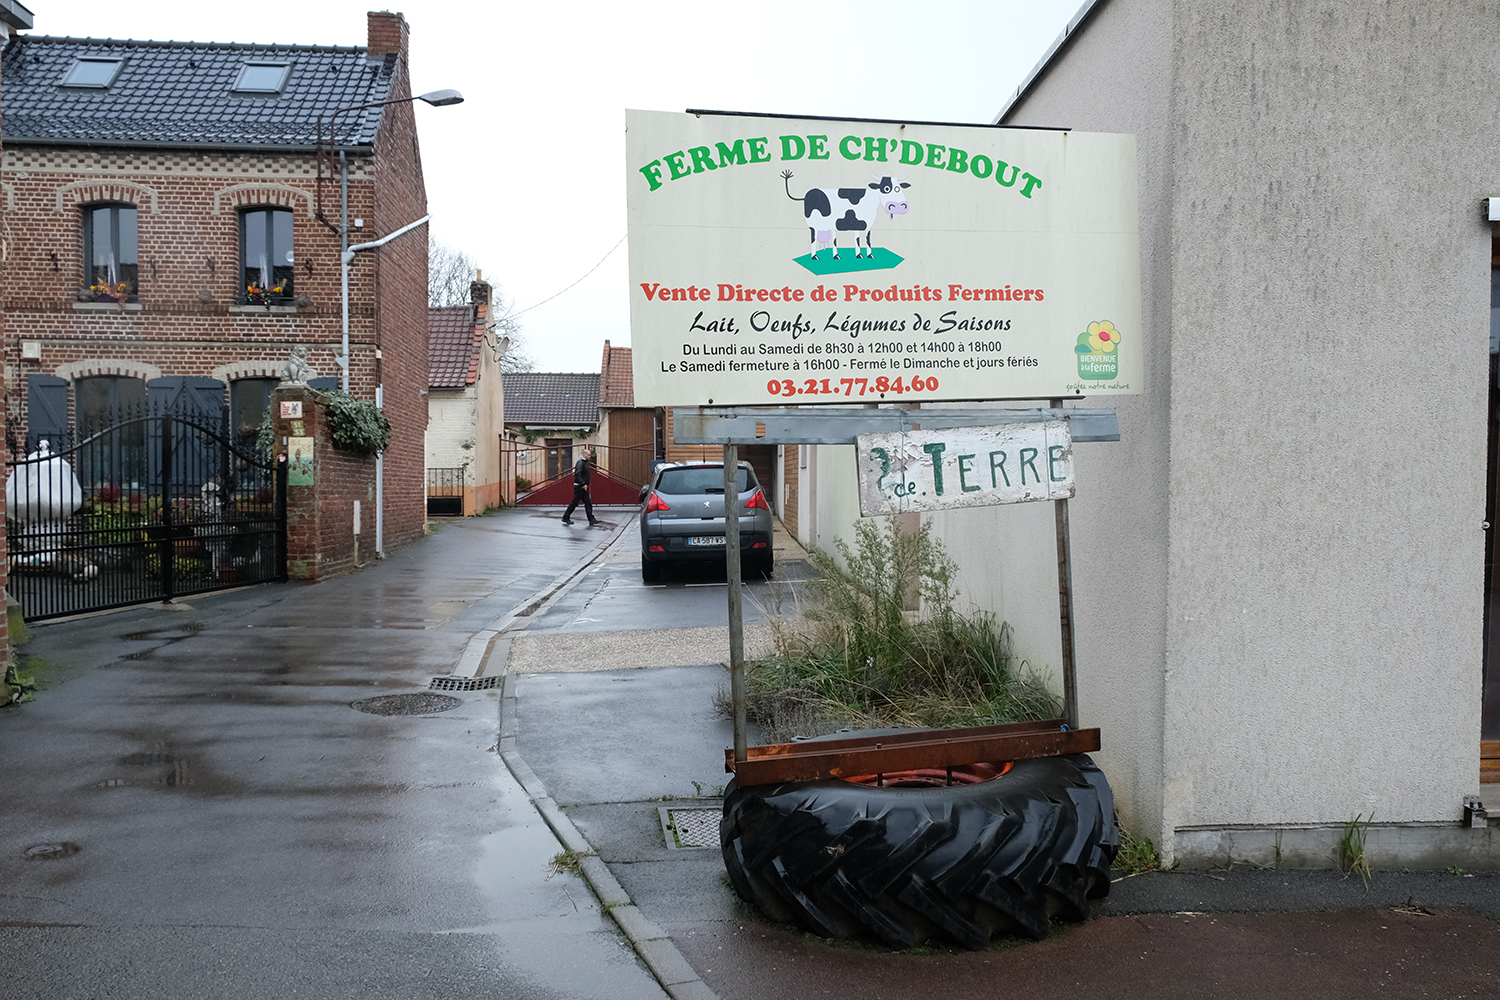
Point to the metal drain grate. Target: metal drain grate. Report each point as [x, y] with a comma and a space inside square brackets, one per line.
[690, 827]
[466, 683]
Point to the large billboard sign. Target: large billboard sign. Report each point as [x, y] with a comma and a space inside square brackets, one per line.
[784, 260]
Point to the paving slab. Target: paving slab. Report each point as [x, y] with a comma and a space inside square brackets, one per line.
[624, 735]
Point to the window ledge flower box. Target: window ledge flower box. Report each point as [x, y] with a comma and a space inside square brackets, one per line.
[107, 306]
[276, 310]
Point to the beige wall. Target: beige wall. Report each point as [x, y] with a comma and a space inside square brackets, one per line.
[489, 423]
[1279, 569]
[1119, 519]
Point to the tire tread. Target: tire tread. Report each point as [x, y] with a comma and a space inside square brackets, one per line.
[908, 865]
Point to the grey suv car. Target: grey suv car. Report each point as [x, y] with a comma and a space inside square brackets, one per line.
[683, 520]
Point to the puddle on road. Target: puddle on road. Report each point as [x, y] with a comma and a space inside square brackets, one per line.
[553, 928]
[175, 633]
[51, 852]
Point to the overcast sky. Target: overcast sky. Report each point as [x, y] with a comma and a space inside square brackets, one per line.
[528, 176]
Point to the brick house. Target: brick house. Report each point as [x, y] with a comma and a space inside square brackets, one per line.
[547, 416]
[627, 433]
[12, 17]
[466, 407]
[164, 240]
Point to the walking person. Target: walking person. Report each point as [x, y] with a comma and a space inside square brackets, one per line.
[581, 489]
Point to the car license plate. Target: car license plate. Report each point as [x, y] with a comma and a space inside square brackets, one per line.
[706, 540]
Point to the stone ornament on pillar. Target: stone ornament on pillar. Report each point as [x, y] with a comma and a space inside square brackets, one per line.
[297, 371]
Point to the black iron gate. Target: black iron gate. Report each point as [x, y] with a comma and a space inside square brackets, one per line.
[146, 510]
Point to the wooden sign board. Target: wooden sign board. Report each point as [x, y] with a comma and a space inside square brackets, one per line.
[964, 467]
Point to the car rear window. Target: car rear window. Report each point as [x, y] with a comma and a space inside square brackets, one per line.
[698, 479]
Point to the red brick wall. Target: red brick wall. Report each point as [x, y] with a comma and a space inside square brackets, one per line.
[189, 244]
[791, 477]
[399, 271]
[4, 555]
[320, 539]
[189, 247]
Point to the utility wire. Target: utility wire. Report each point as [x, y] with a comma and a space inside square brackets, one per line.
[585, 275]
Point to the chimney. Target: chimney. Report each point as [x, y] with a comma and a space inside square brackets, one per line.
[481, 292]
[388, 33]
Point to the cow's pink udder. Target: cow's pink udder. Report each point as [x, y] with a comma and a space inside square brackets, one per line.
[825, 235]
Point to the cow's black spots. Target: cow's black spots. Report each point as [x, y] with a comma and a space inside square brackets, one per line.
[884, 187]
[850, 223]
[816, 201]
[852, 195]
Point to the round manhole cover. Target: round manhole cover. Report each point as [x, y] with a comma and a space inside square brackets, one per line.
[50, 852]
[424, 703]
[147, 759]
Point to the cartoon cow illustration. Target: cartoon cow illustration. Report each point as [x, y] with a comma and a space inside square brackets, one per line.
[832, 211]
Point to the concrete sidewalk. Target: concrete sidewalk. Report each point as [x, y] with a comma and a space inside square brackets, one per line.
[193, 806]
[616, 748]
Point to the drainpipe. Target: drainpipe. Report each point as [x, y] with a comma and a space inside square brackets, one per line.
[343, 362]
[380, 486]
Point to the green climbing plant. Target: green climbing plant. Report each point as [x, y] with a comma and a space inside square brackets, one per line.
[356, 425]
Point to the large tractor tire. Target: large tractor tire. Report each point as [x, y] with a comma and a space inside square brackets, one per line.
[904, 864]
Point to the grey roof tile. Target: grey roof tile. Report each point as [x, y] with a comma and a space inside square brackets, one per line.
[181, 93]
[558, 399]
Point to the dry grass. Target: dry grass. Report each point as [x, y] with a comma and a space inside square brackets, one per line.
[856, 658]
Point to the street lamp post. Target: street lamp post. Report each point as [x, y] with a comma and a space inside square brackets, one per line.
[438, 99]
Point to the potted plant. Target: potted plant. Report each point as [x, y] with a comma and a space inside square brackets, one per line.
[257, 294]
[104, 291]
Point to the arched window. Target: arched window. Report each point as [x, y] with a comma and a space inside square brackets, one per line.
[109, 250]
[248, 400]
[104, 400]
[266, 256]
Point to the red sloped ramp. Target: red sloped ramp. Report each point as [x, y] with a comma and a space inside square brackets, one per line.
[604, 489]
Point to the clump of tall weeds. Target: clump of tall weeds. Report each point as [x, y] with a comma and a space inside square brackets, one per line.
[857, 656]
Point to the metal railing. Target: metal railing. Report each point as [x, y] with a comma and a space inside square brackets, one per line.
[149, 509]
[445, 491]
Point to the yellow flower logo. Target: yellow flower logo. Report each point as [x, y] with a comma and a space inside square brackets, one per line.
[1103, 337]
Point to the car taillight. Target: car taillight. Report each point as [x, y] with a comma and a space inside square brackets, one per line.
[757, 499]
[655, 502]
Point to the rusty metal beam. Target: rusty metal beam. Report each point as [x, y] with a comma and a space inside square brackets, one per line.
[922, 748]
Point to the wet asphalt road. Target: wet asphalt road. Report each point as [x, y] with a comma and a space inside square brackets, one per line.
[240, 831]
[192, 807]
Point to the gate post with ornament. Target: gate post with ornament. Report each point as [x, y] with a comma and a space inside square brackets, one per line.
[330, 493]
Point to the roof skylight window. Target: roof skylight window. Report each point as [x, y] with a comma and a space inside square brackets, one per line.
[262, 78]
[91, 71]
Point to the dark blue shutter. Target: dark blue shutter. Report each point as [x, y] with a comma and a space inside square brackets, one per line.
[46, 412]
[197, 456]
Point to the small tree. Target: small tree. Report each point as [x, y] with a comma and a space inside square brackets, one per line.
[450, 272]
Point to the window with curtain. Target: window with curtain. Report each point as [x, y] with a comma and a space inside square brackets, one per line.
[109, 251]
[266, 257]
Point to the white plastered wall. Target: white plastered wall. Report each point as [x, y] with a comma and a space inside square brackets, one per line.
[450, 429]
